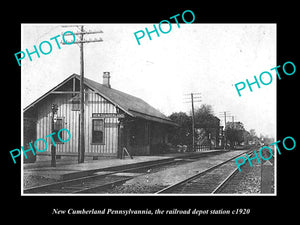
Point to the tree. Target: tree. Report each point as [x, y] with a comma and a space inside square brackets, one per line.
[204, 120]
[207, 126]
[204, 117]
[235, 133]
[205, 110]
[234, 136]
[181, 135]
[246, 136]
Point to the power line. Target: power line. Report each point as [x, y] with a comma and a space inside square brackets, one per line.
[46, 33]
[86, 32]
[81, 33]
[224, 114]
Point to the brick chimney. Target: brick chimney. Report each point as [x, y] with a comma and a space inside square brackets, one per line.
[106, 79]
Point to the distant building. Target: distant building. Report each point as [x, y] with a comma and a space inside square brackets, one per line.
[235, 125]
[209, 134]
[108, 114]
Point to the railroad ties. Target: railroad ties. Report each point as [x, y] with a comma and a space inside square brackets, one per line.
[211, 180]
[104, 180]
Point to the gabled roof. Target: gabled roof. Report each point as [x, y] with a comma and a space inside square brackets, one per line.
[131, 105]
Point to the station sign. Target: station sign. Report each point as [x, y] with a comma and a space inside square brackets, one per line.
[107, 115]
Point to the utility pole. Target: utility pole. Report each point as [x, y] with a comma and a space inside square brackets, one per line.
[193, 120]
[81, 41]
[225, 115]
[81, 148]
[195, 97]
[54, 109]
[225, 139]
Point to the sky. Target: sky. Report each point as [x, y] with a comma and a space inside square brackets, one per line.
[200, 58]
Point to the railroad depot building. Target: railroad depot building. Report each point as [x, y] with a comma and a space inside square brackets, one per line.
[112, 119]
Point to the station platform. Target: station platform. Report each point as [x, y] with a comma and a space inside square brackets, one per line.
[71, 170]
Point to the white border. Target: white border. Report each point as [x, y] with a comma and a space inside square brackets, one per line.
[153, 195]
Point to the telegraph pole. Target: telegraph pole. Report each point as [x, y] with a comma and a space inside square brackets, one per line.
[197, 98]
[81, 41]
[225, 127]
[81, 135]
[233, 124]
[193, 120]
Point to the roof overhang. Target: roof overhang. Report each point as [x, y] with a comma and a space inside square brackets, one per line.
[153, 118]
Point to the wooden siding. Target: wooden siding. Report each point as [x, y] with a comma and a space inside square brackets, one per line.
[97, 104]
[93, 104]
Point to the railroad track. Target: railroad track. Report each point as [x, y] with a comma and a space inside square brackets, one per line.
[232, 184]
[105, 179]
[211, 181]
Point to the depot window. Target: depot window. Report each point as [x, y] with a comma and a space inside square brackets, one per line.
[98, 131]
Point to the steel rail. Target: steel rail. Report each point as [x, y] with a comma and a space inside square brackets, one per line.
[227, 179]
[173, 186]
[85, 178]
[98, 187]
[59, 184]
